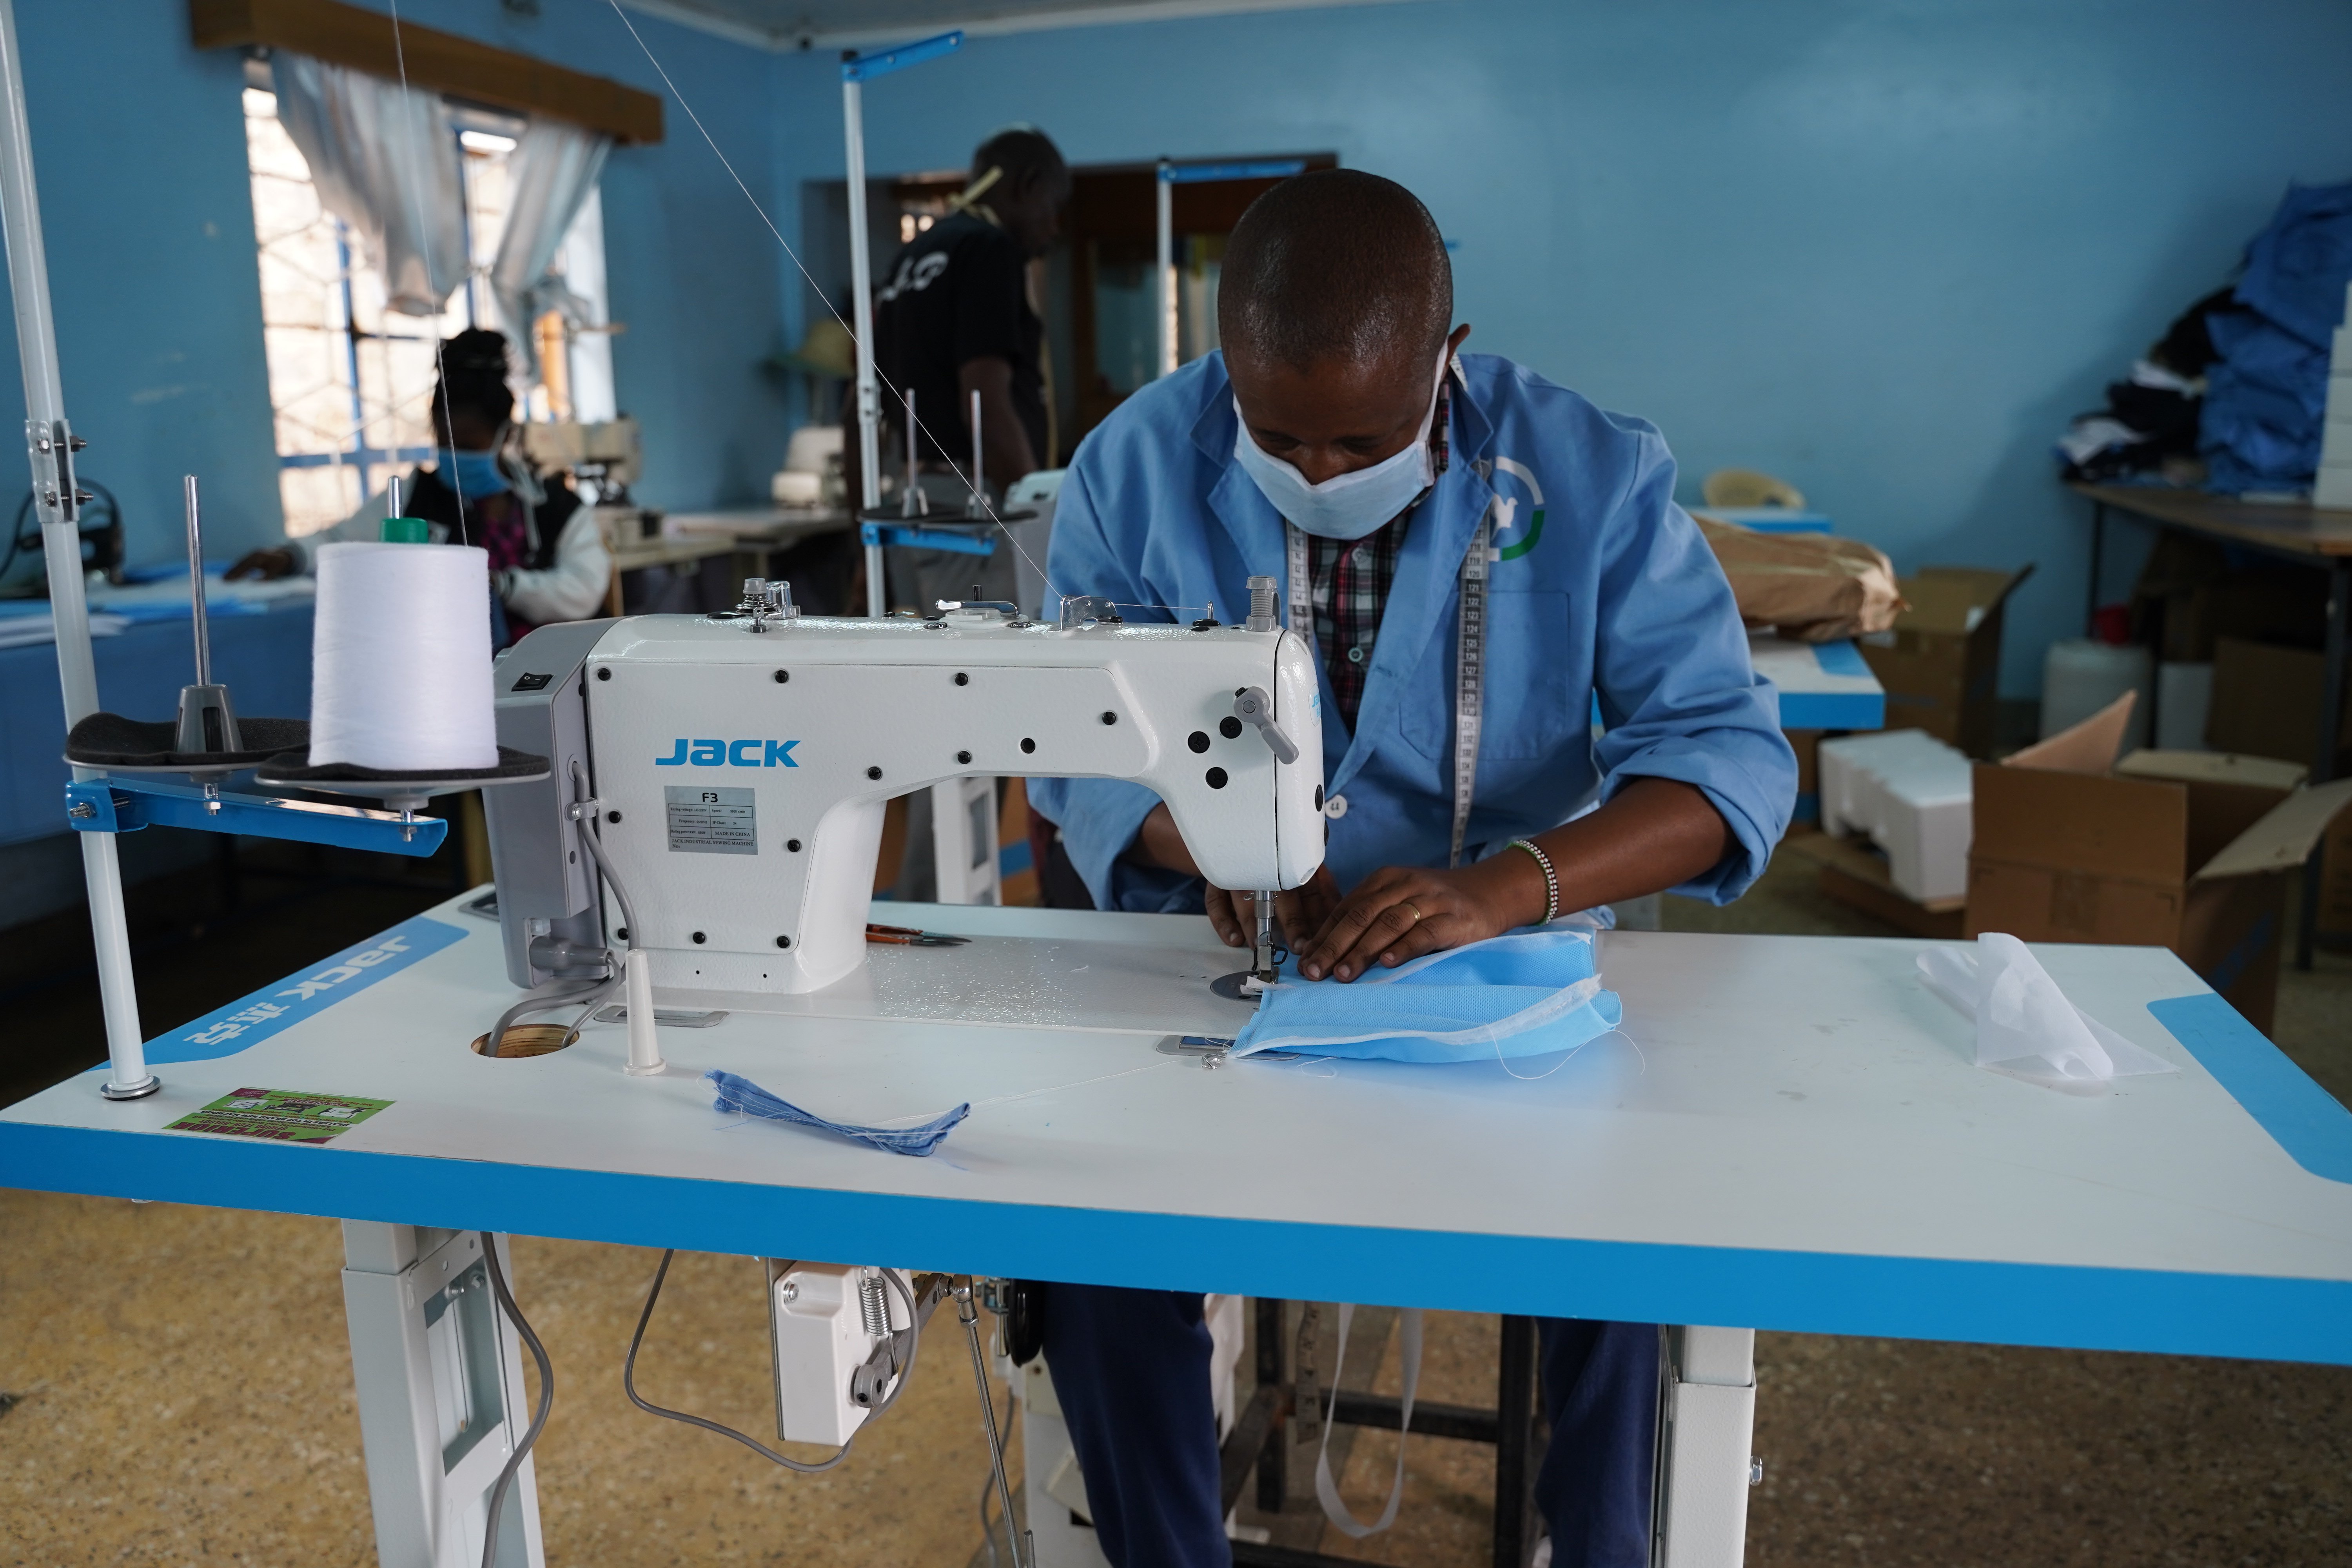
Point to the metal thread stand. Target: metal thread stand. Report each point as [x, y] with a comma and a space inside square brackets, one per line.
[855, 71]
[1169, 177]
[50, 444]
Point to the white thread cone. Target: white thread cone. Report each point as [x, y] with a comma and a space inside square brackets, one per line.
[400, 658]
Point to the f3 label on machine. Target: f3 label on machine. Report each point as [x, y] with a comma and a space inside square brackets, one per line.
[712, 820]
[730, 755]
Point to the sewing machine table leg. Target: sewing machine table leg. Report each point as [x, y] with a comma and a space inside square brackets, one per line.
[1707, 1421]
[441, 1396]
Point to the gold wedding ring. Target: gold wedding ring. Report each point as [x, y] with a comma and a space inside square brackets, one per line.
[1417, 916]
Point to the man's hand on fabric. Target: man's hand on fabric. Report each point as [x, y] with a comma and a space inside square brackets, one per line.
[1234, 913]
[1653, 833]
[1402, 912]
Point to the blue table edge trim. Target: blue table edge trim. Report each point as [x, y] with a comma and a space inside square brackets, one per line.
[2310, 1125]
[1832, 710]
[2062, 1306]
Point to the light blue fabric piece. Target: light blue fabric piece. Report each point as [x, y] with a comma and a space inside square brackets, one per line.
[1605, 590]
[1526, 993]
[740, 1094]
[474, 475]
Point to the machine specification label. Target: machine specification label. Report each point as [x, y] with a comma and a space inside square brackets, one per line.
[711, 820]
[283, 1114]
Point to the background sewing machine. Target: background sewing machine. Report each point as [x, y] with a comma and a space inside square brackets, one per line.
[734, 772]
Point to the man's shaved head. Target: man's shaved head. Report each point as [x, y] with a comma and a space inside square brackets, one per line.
[1335, 264]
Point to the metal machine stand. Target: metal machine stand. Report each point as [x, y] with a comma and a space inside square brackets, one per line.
[1706, 1407]
[441, 1396]
[1707, 1419]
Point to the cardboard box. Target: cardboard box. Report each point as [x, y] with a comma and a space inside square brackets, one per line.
[2334, 927]
[2189, 595]
[1941, 663]
[1807, 744]
[2266, 702]
[2191, 850]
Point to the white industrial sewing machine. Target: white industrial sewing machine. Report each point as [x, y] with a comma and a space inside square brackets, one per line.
[737, 767]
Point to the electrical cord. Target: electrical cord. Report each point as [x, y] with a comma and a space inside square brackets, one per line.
[988, 1487]
[539, 1416]
[996, 1434]
[595, 991]
[905, 1375]
[594, 838]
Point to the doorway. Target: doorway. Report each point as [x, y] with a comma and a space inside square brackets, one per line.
[1095, 291]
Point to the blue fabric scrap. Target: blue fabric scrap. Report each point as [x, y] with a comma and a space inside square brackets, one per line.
[740, 1094]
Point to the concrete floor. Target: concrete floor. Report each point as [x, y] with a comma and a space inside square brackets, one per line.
[177, 1390]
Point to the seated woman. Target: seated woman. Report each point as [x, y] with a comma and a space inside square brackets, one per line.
[548, 561]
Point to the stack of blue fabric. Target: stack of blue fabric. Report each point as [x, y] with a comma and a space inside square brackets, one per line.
[2265, 401]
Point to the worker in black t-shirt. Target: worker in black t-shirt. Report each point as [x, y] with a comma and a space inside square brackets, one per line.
[953, 317]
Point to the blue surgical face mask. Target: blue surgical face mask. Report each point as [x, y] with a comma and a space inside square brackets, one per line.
[475, 475]
[1350, 505]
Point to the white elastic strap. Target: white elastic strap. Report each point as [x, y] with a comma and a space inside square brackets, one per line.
[1326, 1491]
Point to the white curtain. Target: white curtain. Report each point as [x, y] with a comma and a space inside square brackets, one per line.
[385, 160]
[548, 175]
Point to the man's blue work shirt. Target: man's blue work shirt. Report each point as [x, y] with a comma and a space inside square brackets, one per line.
[1601, 587]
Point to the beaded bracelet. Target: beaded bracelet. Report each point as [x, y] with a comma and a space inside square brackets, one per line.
[1552, 879]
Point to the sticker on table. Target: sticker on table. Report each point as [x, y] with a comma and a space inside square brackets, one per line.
[287, 1115]
[711, 820]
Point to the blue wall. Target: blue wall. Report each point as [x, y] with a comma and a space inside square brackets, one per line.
[140, 143]
[1883, 250]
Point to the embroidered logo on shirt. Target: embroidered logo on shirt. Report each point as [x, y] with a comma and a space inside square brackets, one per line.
[1506, 511]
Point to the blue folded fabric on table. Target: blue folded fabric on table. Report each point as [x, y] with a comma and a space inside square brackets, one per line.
[740, 1094]
[1526, 993]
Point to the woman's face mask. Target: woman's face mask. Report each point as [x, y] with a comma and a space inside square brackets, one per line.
[476, 475]
[1350, 505]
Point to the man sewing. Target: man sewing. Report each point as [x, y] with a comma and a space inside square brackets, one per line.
[1341, 445]
[953, 318]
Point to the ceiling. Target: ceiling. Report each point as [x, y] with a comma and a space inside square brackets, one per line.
[842, 24]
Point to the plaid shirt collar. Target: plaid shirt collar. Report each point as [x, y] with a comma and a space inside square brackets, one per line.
[1351, 578]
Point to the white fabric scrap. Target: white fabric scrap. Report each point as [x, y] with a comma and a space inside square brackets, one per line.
[2026, 1028]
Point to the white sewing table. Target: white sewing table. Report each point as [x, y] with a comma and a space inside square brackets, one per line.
[1791, 1136]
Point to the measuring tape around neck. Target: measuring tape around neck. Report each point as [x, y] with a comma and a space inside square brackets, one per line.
[1469, 654]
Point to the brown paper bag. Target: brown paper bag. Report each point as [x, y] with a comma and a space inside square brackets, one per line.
[1812, 587]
